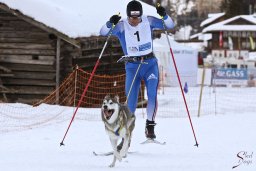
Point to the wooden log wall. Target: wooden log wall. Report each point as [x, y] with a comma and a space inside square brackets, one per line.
[90, 52]
[29, 55]
[67, 53]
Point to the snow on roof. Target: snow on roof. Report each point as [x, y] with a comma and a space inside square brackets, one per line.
[195, 35]
[211, 17]
[222, 26]
[202, 36]
[76, 18]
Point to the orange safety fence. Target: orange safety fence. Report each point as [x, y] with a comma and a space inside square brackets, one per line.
[71, 89]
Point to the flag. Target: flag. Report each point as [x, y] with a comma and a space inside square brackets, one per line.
[221, 39]
[185, 87]
[230, 43]
[252, 43]
[239, 46]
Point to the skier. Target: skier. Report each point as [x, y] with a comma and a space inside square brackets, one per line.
[135, 36]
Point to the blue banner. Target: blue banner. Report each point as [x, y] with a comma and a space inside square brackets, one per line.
[231, 74]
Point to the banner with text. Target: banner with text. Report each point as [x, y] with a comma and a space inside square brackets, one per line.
[230, 76]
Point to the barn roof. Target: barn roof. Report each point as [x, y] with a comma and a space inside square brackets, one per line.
[249, 24]
[211, 18]
[76, 18]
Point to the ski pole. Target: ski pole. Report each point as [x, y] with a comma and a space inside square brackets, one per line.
[177, 73]
[132, 83]
[88, 83]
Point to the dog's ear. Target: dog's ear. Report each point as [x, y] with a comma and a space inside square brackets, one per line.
[107, 96]
[116, 98]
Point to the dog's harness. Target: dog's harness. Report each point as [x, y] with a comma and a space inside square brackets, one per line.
[121, 126]
[118, 129]
[117, 132]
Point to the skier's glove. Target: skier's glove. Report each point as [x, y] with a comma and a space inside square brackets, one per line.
[161, 11]
[114, 19]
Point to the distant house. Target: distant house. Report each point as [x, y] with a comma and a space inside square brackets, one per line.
[232, 41]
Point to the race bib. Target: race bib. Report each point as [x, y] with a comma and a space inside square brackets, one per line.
[138, 39]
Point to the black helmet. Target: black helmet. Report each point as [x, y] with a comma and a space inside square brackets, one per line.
[134, 9]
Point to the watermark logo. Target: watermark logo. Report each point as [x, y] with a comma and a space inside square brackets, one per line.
[244, 158]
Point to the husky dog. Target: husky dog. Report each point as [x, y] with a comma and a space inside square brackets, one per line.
[119, 123]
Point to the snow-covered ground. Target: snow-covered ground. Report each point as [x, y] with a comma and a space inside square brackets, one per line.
[225, 140]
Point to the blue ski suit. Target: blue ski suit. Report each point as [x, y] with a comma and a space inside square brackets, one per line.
[137, 43]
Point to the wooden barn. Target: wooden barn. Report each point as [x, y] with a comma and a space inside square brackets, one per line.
[35, 58]
[36, 54]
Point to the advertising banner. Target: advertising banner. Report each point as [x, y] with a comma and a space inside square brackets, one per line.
[230, 76]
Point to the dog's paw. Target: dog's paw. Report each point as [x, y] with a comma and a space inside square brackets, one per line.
[118, 156]
[112, 165]
[123, 153]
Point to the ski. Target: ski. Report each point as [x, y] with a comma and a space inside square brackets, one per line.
[103, 154]
[109, 153]
[149, 141]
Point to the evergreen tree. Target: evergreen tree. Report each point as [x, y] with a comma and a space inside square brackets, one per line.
[235, 7]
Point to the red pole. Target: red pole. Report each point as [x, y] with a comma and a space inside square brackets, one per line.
[81, 98]
[176, 69]
[88, 83]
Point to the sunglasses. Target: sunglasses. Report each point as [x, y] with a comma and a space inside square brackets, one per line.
[135, 18]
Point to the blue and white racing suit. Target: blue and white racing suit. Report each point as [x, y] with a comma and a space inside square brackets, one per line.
[137, 41]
